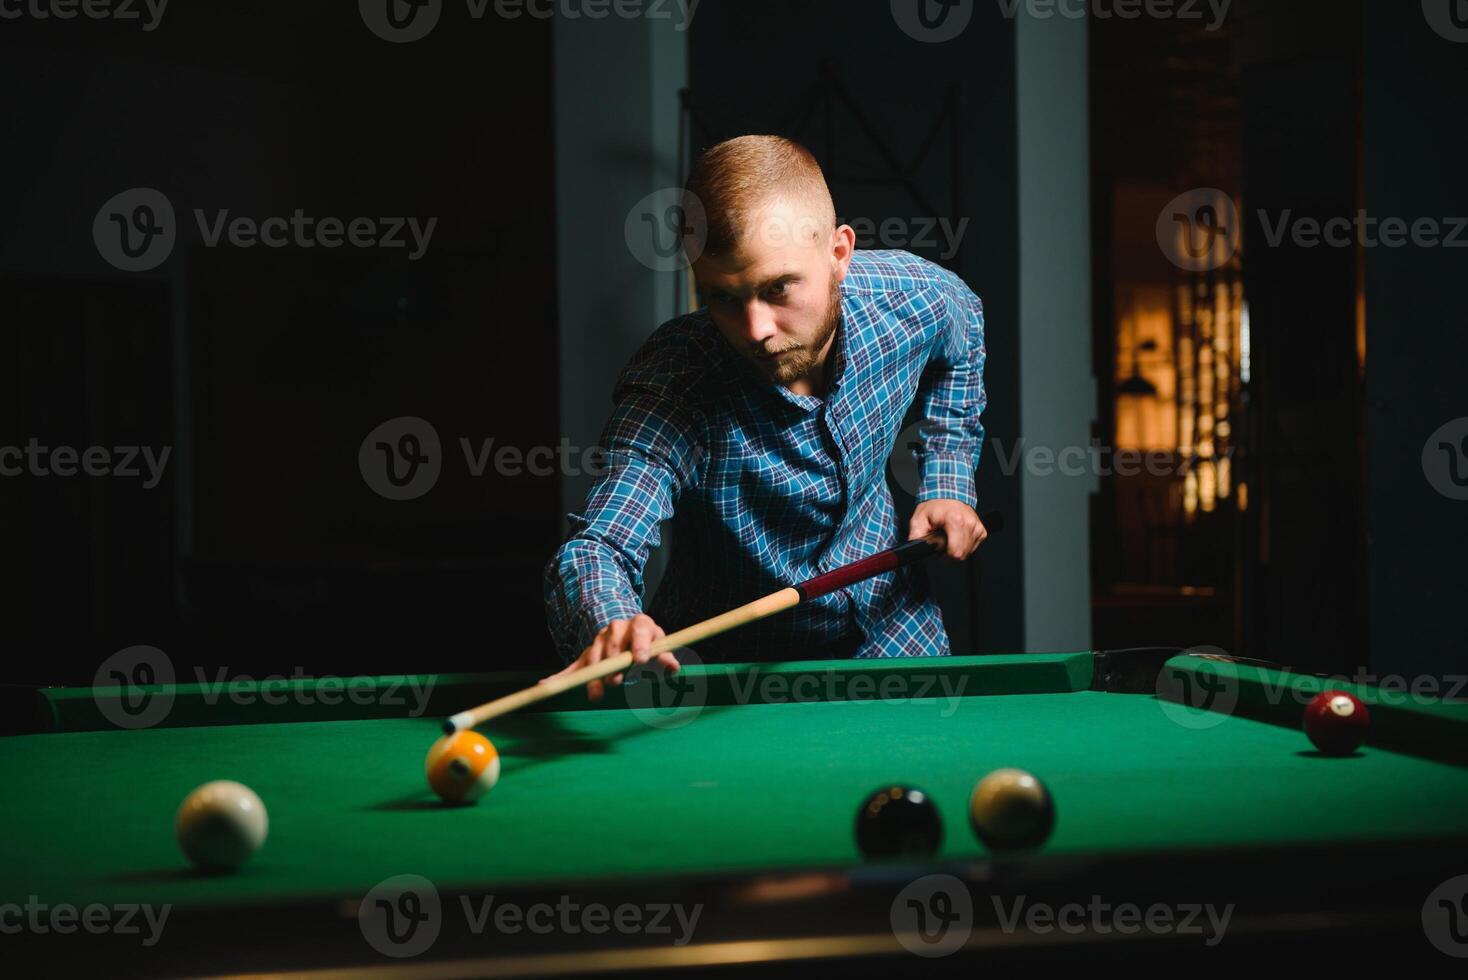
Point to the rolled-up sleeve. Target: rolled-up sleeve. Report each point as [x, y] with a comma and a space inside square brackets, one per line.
[951, 399]
[653, 451]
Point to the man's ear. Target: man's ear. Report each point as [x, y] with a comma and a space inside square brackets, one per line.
[843, 245]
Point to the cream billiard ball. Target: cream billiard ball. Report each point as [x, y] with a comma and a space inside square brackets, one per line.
[462, 767]
[1011, 808]
[220, 825]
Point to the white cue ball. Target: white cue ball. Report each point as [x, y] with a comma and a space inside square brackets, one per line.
[220, 824]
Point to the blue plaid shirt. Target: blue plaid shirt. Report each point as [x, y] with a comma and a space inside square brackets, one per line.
[765, 488]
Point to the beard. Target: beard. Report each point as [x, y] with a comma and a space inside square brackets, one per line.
[798, 362]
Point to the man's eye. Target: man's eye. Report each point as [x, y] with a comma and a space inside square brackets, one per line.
[777, 290]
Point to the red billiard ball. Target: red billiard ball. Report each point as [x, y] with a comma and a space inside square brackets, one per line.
[1336, 722]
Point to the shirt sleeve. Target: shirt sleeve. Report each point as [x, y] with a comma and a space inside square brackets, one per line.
[951, 398]
[652, 454]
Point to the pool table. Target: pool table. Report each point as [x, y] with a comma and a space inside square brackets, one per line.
[706, 820]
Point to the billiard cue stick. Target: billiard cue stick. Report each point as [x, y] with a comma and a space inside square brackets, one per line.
[786, 598]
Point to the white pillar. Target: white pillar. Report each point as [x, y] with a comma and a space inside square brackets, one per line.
[1057, 392]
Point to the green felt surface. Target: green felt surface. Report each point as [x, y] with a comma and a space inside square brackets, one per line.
[598, 793]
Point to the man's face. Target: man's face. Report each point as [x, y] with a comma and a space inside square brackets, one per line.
[777, 298]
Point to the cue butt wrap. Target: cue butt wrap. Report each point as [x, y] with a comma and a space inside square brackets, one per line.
[884, 561]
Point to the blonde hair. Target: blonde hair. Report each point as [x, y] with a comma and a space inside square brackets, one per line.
[732, 182]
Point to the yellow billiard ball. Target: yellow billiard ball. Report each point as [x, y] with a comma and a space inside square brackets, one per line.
[1011, 808]
[462, 767]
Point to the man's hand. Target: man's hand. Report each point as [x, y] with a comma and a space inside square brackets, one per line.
[637, 634]
[954, 518]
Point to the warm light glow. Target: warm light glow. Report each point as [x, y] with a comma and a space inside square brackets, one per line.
[1146, 405]
[1244, 344]
[1207, 487]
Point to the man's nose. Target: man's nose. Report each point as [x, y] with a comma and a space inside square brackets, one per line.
[758, 326]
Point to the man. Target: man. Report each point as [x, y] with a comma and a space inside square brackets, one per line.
[760, 426]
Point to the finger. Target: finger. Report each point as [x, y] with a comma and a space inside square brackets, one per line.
[669, 662]
[955, 540]
[918, 527]
[615, 637]
[595, 689]
[644, 632]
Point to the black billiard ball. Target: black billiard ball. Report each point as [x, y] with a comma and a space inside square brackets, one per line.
[1011, 808]
[1336, 722]
[898, 821]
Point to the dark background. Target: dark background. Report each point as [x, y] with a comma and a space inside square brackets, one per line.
[264, 549]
